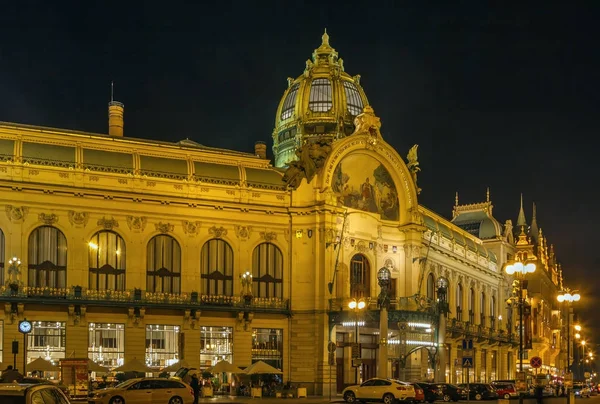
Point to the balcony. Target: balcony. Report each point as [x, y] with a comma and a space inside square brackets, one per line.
[461, 329]
[137, 297]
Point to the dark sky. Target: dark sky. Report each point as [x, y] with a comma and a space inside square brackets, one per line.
[504, 95]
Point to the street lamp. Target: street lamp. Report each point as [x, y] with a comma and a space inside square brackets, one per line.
[519, 270]
[356, 305]
[569, 296]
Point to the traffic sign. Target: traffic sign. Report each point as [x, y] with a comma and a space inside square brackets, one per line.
[467, 344]
[536, 362]
[467, 362]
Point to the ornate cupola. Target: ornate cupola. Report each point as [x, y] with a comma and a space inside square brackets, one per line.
[319, 105]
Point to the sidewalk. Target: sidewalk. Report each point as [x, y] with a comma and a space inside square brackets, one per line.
[266, 400]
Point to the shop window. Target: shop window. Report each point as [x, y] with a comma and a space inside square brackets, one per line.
[216, 344]
[106, 344]
[47, 339]
[267, 346]
[162, 345]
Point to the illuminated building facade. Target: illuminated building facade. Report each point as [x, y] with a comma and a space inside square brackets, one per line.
[131, 248]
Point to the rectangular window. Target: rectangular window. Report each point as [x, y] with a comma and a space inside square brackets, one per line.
[216, 344]
[483, 367]
[162, 345]
[106, 344]
[267, 346]
[494, 366]
[47, 340]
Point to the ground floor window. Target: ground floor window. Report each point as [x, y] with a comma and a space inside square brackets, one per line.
[162, 345]
[107, 344]
[494, 366]
[47, 340]
[483, 367]
[216, 344]
[267, 346]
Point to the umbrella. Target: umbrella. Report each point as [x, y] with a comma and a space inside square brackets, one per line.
[41, 365]
[261, 367]
[94, 367]
[224, 366]
[174, 367]
[134, 365]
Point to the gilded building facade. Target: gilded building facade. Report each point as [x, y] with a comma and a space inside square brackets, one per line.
[127, 248]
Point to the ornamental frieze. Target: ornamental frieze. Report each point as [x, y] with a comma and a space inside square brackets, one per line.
[191, 228]
[136, 223]
[164, 227]
[16, 214]
[243, 232]
[217, 232]
[108, 224]
[48, 219]
[78, 219]
[268, 236]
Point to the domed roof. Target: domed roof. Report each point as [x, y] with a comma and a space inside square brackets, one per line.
[319, 104]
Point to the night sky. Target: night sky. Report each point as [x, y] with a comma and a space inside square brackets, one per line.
[504, 97]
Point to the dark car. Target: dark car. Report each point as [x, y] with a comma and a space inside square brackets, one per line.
[13, 393]
[480, 391]
[430, 391]
[450, 392]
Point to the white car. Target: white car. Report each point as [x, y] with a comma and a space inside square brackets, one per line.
[385, 390]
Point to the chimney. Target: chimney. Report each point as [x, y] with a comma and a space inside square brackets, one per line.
[116, 111]
[260, 150]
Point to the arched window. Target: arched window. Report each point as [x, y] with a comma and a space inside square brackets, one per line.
[216, 267]
[267, 271]
[459, 299]
[287, 110]
[482, 305]
[320, 99]
[354, 102]
[47, 262]
[471, 305]
[107, 261]
[2, 255]
[493, 312]
[163, 265]
[360, 277]
[430, 286]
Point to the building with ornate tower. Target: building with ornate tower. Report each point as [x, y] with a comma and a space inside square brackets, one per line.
[129, 248]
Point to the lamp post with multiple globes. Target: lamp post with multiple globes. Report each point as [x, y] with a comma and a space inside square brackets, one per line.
[519, 270]
[357, 306]
[569, 296]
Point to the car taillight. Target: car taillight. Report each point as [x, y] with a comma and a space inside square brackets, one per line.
[192, 392]
[401, 388]
[419, 391]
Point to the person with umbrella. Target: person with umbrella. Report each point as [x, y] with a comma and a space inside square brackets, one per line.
[195, 385]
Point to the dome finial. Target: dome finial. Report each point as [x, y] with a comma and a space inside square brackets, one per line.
[325, 38]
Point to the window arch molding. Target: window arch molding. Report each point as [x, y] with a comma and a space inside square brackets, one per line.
[107, 270]
[268, 272]
[360, 276]
[164, 259]
[430, 285]
[47, 257]
[217, 265]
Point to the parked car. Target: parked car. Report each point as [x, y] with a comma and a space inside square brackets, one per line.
[430, 391]
[480, 391]
[581, 390]
[450, 392]
[151, 390]
[13, 393]
[505, 389]
[385, 390]
[38, 380]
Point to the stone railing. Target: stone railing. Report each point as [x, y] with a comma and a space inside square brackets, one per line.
[81, 295]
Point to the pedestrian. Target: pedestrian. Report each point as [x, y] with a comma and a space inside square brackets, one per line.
[11, 375]
[195, 384]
